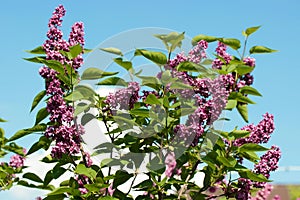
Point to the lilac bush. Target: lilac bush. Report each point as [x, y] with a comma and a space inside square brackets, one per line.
[173, 111]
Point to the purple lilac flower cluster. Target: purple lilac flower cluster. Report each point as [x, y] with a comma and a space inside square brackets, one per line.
[247, 79]
[221, 51]
[244, 187]
[268, 163]
[219, 96]
[124, 98]
[198, 52]
[210, 95]
[16, 161]
[260, 133]
[170, 162]
[82, 180]
[65, 134]
[179, 58]
[263, 193]
[77, 37]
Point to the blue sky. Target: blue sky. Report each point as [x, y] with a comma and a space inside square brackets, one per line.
[24, 26]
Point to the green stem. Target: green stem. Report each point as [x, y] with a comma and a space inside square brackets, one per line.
[244, 50]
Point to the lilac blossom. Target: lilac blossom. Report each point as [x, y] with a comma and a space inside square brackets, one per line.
[198, 52]
[124, 98]
[221, 51]
[87, 159]
[82, 180]
[77, 37]
[244, 187]
[249, 61]
[170, 162]
[179, 58]
[65, 134]
[260, 133]
[16, 161]
[110, 190]
[268, 163]
[264, 193]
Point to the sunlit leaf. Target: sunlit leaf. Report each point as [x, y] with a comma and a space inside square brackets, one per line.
[95, 73]
[261, 49]
[112, 50]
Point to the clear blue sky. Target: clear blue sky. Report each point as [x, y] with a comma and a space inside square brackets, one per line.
[24, 26]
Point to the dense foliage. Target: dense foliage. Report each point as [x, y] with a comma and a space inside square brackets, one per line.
[166, 121]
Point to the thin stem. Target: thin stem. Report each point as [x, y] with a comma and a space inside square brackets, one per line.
[244, 50]
[131, 184]
[187, 179]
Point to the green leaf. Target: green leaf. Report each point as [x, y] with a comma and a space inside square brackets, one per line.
[156, 57]
[95, 187]
[74, 96]
[38, 59]
[243, 69]
[37, 50]
[151, 81]
[66, 54]
[125, 64]
[243, 110]
[113, 81]
[251, 30]
[228, 162]
[140, 112]
[180, 85]
[176, 42]
[56, 197]
[37, 99]
[87, 50]
[32, 177]
[190, 67]
[200, 37]
[76, 50]
[49, 159]
[55, 65]
[124, 123]
[89, 172]
[2, 120]
[2, 133]
[41, 115]
[61, 190]
[261, 49]
[251, 147]
[95, 73]
[121, 177]
[86, 91]
[206, 62]
[48, 178]
[252, 176]
[232, 42]
[239, 134]
[13, 147]
[152, 99]
[240, 98]
[23, 132]
[166, 77]
[171, 40]
[86, 118]
[112, 50]
[107, 198]
[79, 108]
[249, 90]
[231, 104]
[43, 142]
[58, 171]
